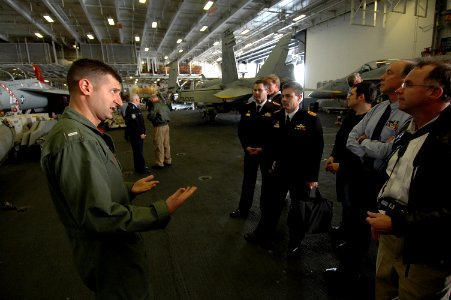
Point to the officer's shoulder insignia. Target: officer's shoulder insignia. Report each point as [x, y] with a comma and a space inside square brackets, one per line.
[312, 113]
[267, 114]
[248, 114]
[73, 134]
[276, 103]
[276, 125]
[277, 111]
[133, 116]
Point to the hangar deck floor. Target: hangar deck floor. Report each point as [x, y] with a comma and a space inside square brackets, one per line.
[200, 255]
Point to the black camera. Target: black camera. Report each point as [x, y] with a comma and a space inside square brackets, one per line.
[391, 206]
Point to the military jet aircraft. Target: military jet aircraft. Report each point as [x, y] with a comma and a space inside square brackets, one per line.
[231, 91]
[20, 93]
[338, 89]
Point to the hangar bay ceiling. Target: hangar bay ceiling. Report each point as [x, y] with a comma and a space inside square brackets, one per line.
[159, 31]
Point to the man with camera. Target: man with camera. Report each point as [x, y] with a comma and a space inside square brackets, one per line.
[414, 219]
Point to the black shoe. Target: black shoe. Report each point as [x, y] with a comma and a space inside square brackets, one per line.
[252, 237]
[238, 213]
[145, 171]
[157, 167]
[167, 164]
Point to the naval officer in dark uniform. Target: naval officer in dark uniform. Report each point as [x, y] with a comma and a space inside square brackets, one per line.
[296, 148]
[252, 132]
[136, 131]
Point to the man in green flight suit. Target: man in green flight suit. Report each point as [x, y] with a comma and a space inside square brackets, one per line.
[90, 196]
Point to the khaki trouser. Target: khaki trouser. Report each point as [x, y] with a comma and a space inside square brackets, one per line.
[422, 281]
[162, 147]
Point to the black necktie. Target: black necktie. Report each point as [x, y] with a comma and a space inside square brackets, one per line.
[381, 123]
[288, 121]
[258, 108]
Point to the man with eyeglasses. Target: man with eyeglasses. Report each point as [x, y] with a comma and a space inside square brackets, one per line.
[371, 140]
[414, 222]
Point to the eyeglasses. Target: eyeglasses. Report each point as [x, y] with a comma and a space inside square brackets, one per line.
[406, 85]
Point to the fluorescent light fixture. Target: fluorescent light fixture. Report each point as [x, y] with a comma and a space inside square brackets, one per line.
[208, 5]
[38, 35]
[90, 36]
[130, 77]
[179, 41]
[219, 59]
[137, 39]
[299, 18]
[166, 57]
[154, 24]
[204, 28]
[49, 19]
[111, 21]
[181, 50]
[46, 80]
[142, 1]
[146, 49]
[245, 31]
[215, 43]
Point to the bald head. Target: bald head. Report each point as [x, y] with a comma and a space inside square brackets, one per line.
[393, 77]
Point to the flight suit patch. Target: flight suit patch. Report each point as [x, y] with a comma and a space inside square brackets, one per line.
[73, 134]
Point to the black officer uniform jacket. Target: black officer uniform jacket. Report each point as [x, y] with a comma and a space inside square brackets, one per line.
[134, 121]
[296, 149]
[253, 127]
[426, 228]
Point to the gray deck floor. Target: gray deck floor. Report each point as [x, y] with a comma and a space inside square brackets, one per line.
[200, 255]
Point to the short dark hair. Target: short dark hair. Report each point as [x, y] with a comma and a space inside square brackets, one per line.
[368, 89]
[293, 85]
[261, 81]
[90, 69]
[441, 74]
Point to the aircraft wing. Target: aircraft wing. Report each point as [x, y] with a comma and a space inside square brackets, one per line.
[45, 91]
[233, 92]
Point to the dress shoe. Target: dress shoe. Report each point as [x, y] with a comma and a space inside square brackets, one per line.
[145, 171]
[238, 213]
[157, 167]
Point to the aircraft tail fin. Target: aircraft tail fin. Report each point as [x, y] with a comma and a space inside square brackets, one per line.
[275, 63]
[173, 73]
[228, 66]
[38, 73]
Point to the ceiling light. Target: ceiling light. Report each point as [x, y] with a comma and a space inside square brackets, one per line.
[49, 19]
[203, 28]
[181, 50]
[208, 5]
[245, 31]
[166, 57]
[137, 39]
[111, 21]
[146, 49]
[179, 41]
[299, 18]
[38, 35]
[154, 24]
[142, 1]
[219, 59]
[90, 36]
[215, 43]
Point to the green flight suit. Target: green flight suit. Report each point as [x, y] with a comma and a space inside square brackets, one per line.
[93, 203]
